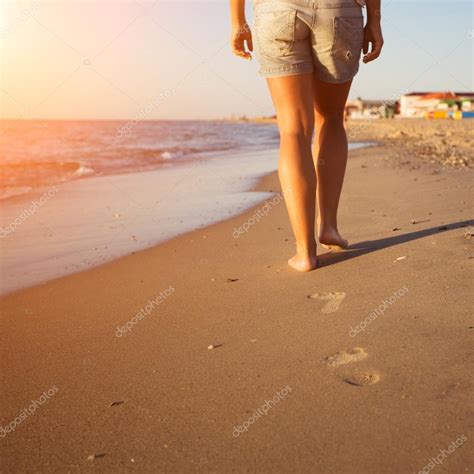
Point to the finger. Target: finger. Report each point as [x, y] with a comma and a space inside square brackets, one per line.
[238, 45]
[369, 56]
[250, 43]
[241, 54]
[374, 53]
[238, 49]
[365, 48]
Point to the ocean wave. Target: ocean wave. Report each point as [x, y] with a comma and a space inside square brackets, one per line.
[58, 152]
[83, 170]
[21, 178]
[12, 192]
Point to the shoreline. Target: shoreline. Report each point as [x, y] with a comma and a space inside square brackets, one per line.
[135, 211]
[262, 184]
[239, 326]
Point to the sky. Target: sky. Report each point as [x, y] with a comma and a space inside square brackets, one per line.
[105, 59]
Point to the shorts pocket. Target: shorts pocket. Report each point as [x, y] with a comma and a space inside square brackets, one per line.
[275, 31]
[348, 38]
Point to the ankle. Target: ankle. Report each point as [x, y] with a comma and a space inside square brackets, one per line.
[327, 225]
[306, 250]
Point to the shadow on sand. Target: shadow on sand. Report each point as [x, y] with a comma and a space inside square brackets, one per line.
[368, 246]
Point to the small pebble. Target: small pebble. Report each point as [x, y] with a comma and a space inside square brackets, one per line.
[118, 402]
[214, 346]
[91, 457]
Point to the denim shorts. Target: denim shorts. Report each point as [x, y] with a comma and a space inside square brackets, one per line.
[324, 37]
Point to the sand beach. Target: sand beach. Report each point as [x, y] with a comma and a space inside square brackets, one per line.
[207, 353]
[153, 318]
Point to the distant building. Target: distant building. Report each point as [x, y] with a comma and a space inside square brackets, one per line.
[363, 109]
[421, 104]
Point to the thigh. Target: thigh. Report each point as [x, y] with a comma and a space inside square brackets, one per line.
[329, 98]
[293, 100]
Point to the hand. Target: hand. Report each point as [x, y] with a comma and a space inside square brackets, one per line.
[373, 36]
[241, 34]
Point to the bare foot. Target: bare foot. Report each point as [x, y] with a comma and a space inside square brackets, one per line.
[332, 240]
[303, 263]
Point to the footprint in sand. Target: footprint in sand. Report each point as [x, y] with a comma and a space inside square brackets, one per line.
[355, 376]
[334, 300]
[345, 357]
[361, 377]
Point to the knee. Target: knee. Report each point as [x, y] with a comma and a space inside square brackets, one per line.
[331, 118]
[297, 131]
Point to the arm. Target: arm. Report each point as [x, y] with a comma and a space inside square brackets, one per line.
[241, 33]
[373, 31]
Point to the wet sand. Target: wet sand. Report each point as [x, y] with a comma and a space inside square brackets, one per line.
[226, 360]
[87, 222]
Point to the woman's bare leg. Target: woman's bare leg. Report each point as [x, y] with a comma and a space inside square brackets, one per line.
[330, 156]
[293, 100]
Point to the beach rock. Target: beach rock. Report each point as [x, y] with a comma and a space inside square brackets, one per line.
[116, 403]
[214, 346]
[91, 457]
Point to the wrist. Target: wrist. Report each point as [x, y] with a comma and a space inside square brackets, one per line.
[374, 17]
[239, 23]
[374, 22]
